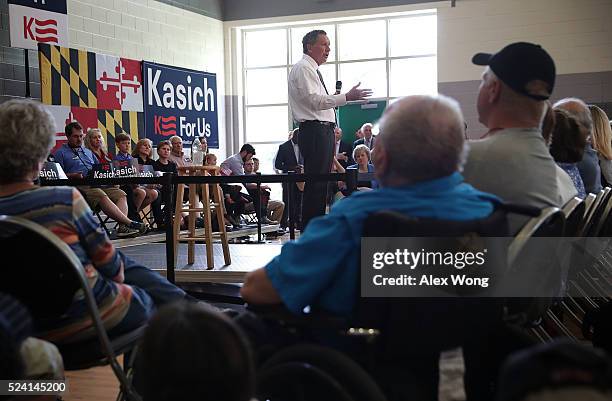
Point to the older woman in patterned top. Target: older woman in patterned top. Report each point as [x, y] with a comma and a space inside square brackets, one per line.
[126, 292]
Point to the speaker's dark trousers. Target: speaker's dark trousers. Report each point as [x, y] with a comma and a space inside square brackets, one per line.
[316, 141]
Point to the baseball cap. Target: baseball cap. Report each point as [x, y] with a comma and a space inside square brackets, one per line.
[554, 365]
[520, 66]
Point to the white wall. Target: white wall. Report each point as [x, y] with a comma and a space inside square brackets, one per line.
[577, 33]
[152, 31]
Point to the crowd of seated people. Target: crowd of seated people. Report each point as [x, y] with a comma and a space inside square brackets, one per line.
[127, 293]
[77, 161]
[140, 195]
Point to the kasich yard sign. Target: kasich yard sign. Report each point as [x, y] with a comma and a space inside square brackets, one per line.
[179, 101]
[38, 21]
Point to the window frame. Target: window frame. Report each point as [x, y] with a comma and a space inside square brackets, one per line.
[336, 63]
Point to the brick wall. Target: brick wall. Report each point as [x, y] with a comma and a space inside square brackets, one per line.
[138, 29]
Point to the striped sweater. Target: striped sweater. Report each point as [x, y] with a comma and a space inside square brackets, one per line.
[65, 212]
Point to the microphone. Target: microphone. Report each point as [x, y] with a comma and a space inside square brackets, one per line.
[338, 87]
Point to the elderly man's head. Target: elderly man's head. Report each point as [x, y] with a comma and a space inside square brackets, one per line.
[338, 133]
[367, 130]
[420, 139]
[579, 110]
[177, 145]
[34, 126]
[515, 85]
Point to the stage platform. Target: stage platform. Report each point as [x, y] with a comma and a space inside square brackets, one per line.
[246, 254]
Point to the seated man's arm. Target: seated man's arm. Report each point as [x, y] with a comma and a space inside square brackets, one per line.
[258, 289]
[307, 267]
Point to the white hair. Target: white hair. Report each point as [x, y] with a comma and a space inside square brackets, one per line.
[27, 134]
[423, 138]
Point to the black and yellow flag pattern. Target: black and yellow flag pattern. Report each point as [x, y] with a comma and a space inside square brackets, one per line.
[113, 122]
[68, 76]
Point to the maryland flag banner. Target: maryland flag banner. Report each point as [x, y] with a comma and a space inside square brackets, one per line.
[98, 91]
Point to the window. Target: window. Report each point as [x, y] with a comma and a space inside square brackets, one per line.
[393, 55]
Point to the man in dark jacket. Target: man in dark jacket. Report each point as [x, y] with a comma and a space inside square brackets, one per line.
[289, 158]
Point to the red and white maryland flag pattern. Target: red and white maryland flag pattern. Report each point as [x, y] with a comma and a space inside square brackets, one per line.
[28, 26]
[63, 115]
[118, 83]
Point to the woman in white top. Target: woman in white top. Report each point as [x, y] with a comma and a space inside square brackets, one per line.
[602, 141]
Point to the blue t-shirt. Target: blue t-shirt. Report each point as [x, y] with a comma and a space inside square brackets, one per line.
[123, 156]
[75, 160]
[321, 268]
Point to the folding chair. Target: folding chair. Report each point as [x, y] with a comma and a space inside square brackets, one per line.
[44, 275]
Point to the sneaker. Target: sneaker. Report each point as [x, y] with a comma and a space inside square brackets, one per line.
[123, 231]
[142, 228]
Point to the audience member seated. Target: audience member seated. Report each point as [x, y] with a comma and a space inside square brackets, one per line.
[567, 189]
[190, 352]
[166, 166]
[602, 140]
[77, 162]
[210, 159]
[235, 163]
[125, 291]
[368, 139]
[589, 165]
[418, 178]
[255, 164]
[137, 197]
[289, 159]
[95, 142]
[273, 209]
[142, 152]
[513, 161]
[361, 155]
[164, 163]
[177, 155]
[567, 148]
[343, 149]
[236, 201]
[557, 371]
[23, 356]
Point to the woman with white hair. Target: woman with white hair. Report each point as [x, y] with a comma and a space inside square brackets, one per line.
[64, 212]
[362, 155]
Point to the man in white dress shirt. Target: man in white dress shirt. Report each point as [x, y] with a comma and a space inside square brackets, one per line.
[313, 108]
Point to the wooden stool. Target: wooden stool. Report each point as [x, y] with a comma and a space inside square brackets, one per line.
[191, 238]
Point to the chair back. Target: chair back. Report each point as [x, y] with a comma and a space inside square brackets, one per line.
[574, 211]
[40, 269]
[535, 266]
[45, 280]
[422, 325]
[601, 224]
[594, 213]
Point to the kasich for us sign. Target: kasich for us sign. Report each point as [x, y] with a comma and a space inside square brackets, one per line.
[180, 101]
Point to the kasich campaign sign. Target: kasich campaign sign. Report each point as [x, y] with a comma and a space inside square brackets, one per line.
[179, 101]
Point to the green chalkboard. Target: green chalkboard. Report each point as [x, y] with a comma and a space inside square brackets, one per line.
[352, 116]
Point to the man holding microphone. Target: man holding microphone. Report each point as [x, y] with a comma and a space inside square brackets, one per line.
[314, 109]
